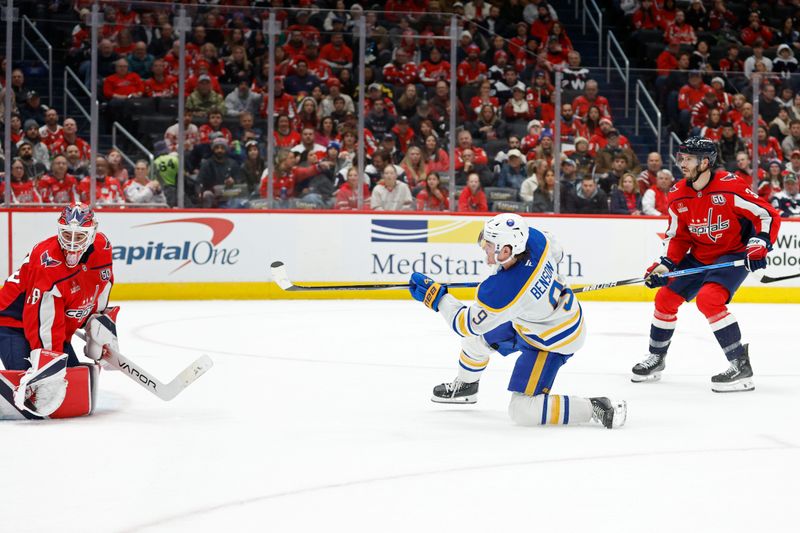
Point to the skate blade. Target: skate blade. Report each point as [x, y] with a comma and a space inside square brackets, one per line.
[742, 385]
[620, 414]
[473, 398]
[636, 378]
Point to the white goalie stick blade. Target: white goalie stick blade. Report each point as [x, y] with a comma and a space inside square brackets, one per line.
[165, 391]
[278, 270]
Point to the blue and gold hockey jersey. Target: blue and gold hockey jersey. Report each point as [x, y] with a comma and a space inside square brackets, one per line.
[531, 295]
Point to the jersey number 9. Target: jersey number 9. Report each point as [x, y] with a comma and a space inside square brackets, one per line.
[558, 291]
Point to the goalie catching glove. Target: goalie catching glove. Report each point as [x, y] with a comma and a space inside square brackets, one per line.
[425, 290]
[43, 387]
[101, 331]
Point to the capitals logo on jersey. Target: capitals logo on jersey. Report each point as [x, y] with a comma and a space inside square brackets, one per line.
[48, 261]
[709, 228]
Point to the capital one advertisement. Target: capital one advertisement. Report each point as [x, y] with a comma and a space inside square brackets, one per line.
[209, 246]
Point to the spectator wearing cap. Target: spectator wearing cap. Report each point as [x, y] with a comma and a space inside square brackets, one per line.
[301, 81]
[503, 89]
[388, 145]
[728, 146]
[793, 163]
[582, 157]
[39, 150]
[337, 54]
[32, 108]
[518, 110]
[203, 99]
[608, 178]
[284, 102]
[647, 177]
[434, 69]
[679, 31]
[375, 92]
[569, 178]
[599, 140]
[379, 121]
[403, 133]
[316, 66]
[787, 202]
[328, 106]
[160, 84]
[589, 98]
[588, 198]
[218, 170]
[531, 140]
[539, 94]
[625, 197]
[513, 171]
[141, 189]
[724, 98]
[242, 99]
[472, 70]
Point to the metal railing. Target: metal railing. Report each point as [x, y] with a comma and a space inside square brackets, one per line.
[70, 96]
[596, 18]
[640, 109]
[117, 127]
[48, 63]
[612, 47]
[673, 139]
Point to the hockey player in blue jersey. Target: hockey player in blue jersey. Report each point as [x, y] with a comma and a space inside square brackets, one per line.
[524, 306]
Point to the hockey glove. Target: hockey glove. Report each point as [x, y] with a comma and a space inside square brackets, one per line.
[425, 290]
[757, 248]
[43, 387]
[101, 331]
[653, 277]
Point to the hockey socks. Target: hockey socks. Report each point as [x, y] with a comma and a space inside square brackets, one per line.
[549, 409]
[711, 301]
[665, 317]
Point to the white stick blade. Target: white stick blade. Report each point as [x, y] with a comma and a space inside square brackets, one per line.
[279, 276]
[187, 377]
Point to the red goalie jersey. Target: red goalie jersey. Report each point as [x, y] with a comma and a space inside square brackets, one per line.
[50, 301]
[717, 220]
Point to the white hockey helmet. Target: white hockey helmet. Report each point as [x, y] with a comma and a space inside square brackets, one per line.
[506, 229]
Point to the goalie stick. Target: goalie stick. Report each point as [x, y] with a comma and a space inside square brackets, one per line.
[165, 391]
[278, 270]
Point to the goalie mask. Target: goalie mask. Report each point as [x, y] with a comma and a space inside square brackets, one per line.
[507, 229]
[76, 230]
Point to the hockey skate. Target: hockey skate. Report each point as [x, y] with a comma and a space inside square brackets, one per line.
[455, 392]
[611, 414]
[738, 376]
[650, 369]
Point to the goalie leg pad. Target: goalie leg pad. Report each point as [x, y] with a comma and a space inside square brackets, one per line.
[78, 401]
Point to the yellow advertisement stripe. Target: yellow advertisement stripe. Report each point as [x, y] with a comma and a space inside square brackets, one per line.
[555, 408]
[463, 233]
[536, 373]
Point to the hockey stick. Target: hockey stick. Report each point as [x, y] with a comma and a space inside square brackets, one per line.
[165, 391]
[769, 279]
[278, 270]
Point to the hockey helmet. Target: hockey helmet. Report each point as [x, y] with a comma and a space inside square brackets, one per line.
[506, 229]
[76, 231]
[699, 147]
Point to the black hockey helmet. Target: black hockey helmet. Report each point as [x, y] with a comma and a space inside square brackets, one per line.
[700, 147]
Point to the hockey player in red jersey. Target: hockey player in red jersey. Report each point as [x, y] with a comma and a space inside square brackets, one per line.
[62, 285]
[714, 217]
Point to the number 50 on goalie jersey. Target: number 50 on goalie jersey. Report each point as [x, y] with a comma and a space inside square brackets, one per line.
[531, 296]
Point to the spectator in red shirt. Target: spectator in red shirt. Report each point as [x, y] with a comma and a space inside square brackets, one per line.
[58, 186]
[434, 196]
[668, 59]
[347, 194]
[337, 54]
[679, 31]
[744, 126]
[689, 95]
[701, 110]
[108, 189]
[465, 143]
[118, 88]
[160, 84]
[285, 135]
[755, 30]
[647, 17]
[713, 126]
[472, 71]
[51, 131]
[648, 177]
[768, 147]
[589, 98]
[540, 28]
[69, 137]
[401, 71]
[214, 128]
[434, 69]
[472, 198]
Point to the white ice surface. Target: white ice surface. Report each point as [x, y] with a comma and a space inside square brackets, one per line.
[317, 417]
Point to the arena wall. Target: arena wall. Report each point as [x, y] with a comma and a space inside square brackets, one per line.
[165, 254]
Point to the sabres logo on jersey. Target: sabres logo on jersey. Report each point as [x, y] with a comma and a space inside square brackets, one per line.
[48, 261]
[709, 228]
